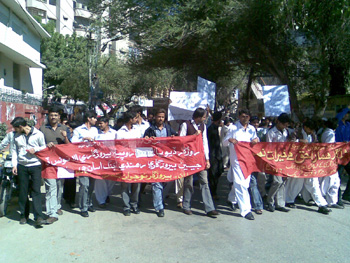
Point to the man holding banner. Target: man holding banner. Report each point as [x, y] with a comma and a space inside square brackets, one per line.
[197, 126]
[129, 131]
[245, 132]
[84, 133]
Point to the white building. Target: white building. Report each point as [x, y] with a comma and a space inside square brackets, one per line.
[20, 35]
[73, 16]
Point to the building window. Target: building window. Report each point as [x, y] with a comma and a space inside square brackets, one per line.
[16, 76]
[52, 2]
[37, 12]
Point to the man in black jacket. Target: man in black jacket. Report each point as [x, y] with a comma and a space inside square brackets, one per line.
[159, 129]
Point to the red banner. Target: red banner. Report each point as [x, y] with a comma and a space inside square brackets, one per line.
[292, 159]
[129, 160]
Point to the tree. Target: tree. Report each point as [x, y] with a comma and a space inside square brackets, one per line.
[65, 58]
[292, 40]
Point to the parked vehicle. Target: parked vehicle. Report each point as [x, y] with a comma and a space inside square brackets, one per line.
[7, 184]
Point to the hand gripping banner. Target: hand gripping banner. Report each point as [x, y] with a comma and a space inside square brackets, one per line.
[129, 160]
[292, 159]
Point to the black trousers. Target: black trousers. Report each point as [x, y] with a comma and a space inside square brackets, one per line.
[29, 178]
[69, 190]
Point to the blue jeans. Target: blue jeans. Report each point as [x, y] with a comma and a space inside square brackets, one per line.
[157, 190]
[255, 196]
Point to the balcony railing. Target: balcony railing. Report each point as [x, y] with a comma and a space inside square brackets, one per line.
[16, 96]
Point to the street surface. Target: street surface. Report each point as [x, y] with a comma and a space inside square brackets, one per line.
[302, 235]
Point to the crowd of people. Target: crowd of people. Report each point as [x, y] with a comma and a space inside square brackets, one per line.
[219, 132]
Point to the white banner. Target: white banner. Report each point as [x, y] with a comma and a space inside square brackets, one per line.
[183, 104]
[208, 88]
[276, 100]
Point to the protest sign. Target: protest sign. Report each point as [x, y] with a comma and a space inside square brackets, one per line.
[208, 88]
[276, 100]
[183, 104]
[130, 160]
[292, 159]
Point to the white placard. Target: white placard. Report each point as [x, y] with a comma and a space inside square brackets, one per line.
[144, 152]
[208, 88]
[145, 102]
[276, 100]
[183, 104]
[64, 173]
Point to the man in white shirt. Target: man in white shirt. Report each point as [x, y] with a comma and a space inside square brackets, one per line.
[103, 188]
[141, 124]
[197, 126]
[244, 132]
[309, 187]
[128, 131]
[275, 197]
[84, 133]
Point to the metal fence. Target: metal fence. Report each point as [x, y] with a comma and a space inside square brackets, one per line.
[16, 96]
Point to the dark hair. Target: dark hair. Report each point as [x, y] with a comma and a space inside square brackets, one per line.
[54, 109]
[129, 115]
[103, 119]
[160, 110]
[216, 116]
[243, 111]
[227, 120]
[253, 118]
[73, 124]
[18, 121]
[331, 123]
[136, 108]
[310, 124]
[199, 113]
[284, 118]
[89, 114]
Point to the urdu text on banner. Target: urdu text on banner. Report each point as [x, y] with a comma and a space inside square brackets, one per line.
[128, 160]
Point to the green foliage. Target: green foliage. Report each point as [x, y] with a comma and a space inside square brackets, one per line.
[3, 131]
[302, 43]
[66, 60]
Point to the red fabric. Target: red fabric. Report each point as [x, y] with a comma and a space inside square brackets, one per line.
[129, 160]
[291, 159]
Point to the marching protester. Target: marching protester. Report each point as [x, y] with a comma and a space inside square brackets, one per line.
[215, 154]
[54, 133]
[330, 184]
[275, 197]
[342, 134]
[159, 129]
[103, 188]
[257, 202]
[309, 187]
[27, 166]
[129, 131]
[83, 133]
[141, 124]
[244, 132]
[197, 126]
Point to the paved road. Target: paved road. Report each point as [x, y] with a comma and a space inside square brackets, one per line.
[302, 235]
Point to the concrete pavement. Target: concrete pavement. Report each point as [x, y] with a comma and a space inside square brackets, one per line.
[301, 235]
